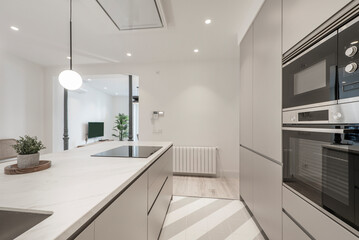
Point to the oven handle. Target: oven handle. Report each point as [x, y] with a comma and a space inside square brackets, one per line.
[321, 130]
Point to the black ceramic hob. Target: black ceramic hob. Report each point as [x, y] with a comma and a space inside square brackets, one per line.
[129, 152]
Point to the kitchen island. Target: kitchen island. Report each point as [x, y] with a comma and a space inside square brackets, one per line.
[78, 188]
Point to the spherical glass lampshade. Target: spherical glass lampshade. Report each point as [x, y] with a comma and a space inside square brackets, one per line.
[70, 80]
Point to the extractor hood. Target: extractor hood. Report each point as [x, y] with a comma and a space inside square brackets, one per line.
[134, 14]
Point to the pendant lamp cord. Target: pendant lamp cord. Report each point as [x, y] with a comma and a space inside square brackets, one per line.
[66, 129]
[70, 34]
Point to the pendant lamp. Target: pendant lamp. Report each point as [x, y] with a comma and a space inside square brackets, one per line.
[70, 79]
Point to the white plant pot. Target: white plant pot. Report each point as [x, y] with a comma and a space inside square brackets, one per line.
[28, 160]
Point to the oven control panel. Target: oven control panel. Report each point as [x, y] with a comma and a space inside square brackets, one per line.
[347, 113]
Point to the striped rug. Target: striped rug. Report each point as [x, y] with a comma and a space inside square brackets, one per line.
[190, 218]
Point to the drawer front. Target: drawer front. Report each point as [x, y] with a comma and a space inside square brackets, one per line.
[126, 217]
[291, 231]
[157, 175]
[312, 220]
[158, 212]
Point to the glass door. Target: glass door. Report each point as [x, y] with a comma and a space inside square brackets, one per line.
[310, 78]
[319, 164]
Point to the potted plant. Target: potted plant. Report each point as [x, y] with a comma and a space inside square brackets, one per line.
[121, 126]
[28, 149]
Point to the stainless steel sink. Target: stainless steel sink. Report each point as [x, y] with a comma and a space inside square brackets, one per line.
[14, 222]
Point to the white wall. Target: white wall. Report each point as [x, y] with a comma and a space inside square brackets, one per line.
[92, 106]
[21, 98]
[199, 100]
[120, 105]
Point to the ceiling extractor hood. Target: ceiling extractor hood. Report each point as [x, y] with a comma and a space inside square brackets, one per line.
[134, 14]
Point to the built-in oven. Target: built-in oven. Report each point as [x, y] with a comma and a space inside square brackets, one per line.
[310, 77]
[321, 163]
[321, 158]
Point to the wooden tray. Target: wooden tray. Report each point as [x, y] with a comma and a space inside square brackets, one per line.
[13, 169]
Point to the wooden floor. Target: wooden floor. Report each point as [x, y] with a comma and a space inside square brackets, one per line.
[205, 187]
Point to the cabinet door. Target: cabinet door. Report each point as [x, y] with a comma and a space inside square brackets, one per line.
[267, 66]
[126, 217]
[314, 221]
[157, 215]
[302, 17]
[246, 177]
[291, 231]
[246, 70]
[157, 175]
[88, 233]
[267, 195]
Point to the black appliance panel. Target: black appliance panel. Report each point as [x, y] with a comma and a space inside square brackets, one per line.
[311, 78]
[322, 115]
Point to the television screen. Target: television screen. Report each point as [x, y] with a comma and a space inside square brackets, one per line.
[95, 129]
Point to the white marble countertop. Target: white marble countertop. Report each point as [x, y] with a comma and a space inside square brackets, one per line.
[74, 188]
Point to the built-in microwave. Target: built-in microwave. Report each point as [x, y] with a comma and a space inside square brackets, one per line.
[310, 77]
[326, 73]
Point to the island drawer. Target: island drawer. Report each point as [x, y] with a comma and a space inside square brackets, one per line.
[157, 175]
[158, 212]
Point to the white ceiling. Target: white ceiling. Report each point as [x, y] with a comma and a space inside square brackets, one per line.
[114, 84]
[44, 29]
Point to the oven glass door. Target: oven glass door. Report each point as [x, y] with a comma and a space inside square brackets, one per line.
[311, 78]
[319, 164]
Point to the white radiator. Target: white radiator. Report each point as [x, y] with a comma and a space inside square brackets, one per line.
[194, 160]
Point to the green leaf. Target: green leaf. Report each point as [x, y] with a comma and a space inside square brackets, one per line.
[28, 145]
[121, 125]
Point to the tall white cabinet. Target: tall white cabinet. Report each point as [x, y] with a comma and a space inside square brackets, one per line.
[267, 80]
[278, 26]
[247, 177]
[260, 121]
[246, 100]
[267, 195]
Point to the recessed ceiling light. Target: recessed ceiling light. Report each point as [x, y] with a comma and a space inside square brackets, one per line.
[117, 93]
[105, 88]
[129, 54]
[14, 28]
[196, 50]
[208, 21]
[68, 57]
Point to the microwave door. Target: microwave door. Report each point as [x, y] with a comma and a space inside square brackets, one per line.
[310, 78]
